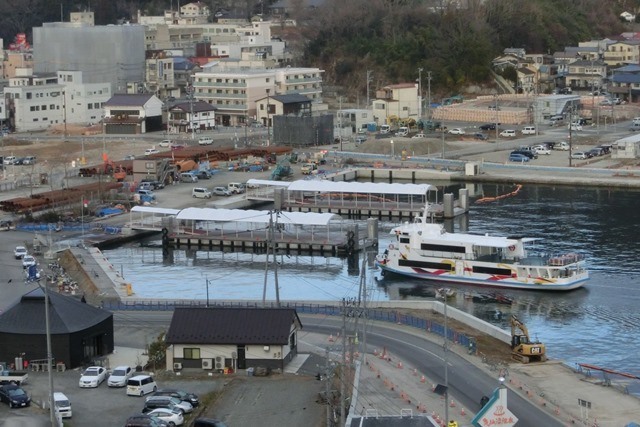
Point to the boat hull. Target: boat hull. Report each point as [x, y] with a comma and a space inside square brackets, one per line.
[504, 283]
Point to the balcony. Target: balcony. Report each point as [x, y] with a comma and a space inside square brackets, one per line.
[217, 84]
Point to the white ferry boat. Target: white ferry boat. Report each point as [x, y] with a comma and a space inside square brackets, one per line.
[427, 251]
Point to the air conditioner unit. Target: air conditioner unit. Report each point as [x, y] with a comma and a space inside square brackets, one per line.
[177, 366]
[207, 364]
[219, 362]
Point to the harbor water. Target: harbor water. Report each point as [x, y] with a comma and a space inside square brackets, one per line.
[596, 324]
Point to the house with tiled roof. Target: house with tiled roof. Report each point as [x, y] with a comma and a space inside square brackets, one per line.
[132, 114]
[215, 338]
[201, 114]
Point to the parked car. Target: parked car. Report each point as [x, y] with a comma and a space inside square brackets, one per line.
[220, 191]
[488, 126]
[173, 417]
[144, 420]
[634, 127]
[176, 147]
[574, 126]
[456, 131]
[529, 130]
[508, 133]
[28, 261]
[9, 160]
[155, 185]
[208, 422]
[361, 139]
[14, 396]
[169, 402]
[529, 154]
[180, 394]
[93, 376]
[63, 405]
[580, 155]
[493, 107]
[594, 152]
[418, 136]
[481, 136]
[119, 376]
[516, 157]
[539, 149]
[19, 252]
[129, 157]
[562, 146]
[150, 151]
[29, 160]
[166, 143]
[200, 193]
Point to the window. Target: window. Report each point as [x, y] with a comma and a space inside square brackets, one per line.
[192, 353]
[28, 95]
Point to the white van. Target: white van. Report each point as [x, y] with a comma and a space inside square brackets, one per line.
[205, 140]
[236, 187]
[201, 193]
[529, 130]
[141, 385]
[402, 131]
[63, 406]
[636, 121]
[385, 129]
[188, 177]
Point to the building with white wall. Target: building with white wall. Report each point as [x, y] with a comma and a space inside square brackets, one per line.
[36, 102]
[234, 92]
[399, 100]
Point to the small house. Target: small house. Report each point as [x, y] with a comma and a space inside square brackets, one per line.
[221, 338]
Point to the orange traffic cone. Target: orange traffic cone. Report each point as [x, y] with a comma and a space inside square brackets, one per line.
[452, 404]
[423, 379]
[462, 412]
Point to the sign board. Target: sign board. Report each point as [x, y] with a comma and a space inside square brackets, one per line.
[495, 413]
[584, 403]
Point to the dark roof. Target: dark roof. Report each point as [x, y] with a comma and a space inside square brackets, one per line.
[215, 325]
[294, 98]
[626, 78]
[631, 68]
[128, 100]
[66, 314]
[198, 106]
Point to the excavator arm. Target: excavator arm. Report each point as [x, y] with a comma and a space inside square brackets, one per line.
[518, 326]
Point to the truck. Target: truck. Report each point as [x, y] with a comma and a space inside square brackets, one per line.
[522, 348]
[308, 168]
[13, 377]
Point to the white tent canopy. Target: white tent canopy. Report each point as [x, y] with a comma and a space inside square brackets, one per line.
[325, 186]
[263, 217]
[155, 210]
[260, 182]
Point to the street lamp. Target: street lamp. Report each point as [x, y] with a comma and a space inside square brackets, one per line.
[443, 294]
[207, 281]
[393, 153]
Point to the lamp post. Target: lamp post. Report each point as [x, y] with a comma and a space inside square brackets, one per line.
[429, 94]
[207, 283]
[393, 153]
[443, 295]
[52, 412]
[420, 93]
[442, 129]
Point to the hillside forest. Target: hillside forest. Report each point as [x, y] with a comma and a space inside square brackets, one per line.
[391, 39]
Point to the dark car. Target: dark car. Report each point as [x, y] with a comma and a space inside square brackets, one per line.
[203, 175]
[14, 396]
[480, 136]
[488, 126]
[530, 154]
[180, 394]
[152, 184]
[594, 152]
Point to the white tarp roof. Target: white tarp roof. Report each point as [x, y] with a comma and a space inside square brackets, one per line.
[267, 182]
[151, 209]
[240, 215]
[360, 187]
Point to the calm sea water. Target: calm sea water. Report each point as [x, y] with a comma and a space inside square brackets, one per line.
[597, 324]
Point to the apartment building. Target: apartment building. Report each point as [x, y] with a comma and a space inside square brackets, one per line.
[622, 53]
[234, 92]
[36, 102]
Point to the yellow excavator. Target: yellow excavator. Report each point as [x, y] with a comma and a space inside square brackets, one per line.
[522, 348]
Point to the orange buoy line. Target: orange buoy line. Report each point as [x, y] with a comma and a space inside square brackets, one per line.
[502, 196]
[608, 371]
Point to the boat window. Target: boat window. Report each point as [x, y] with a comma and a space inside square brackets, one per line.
[424, 264]
[492, 270]
[404, 240]
[442, 248]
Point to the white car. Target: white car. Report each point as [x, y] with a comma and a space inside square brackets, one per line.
[19, 252]
[509, 133]
[173, 417]
[150, 151]
[92, 377]
[574, 126]
[166, 143]
[418, 136]
[119, 376]
[28, 261]
[456, 131]
[579, 155]
[541, 150]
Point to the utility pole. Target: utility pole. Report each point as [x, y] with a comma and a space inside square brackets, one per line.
[420, 93]
[271, 247]
[191, 121]
[343, 370]
[446, 361]
[52, 413]
[340, 121]
[429, 94]
[369, 72]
